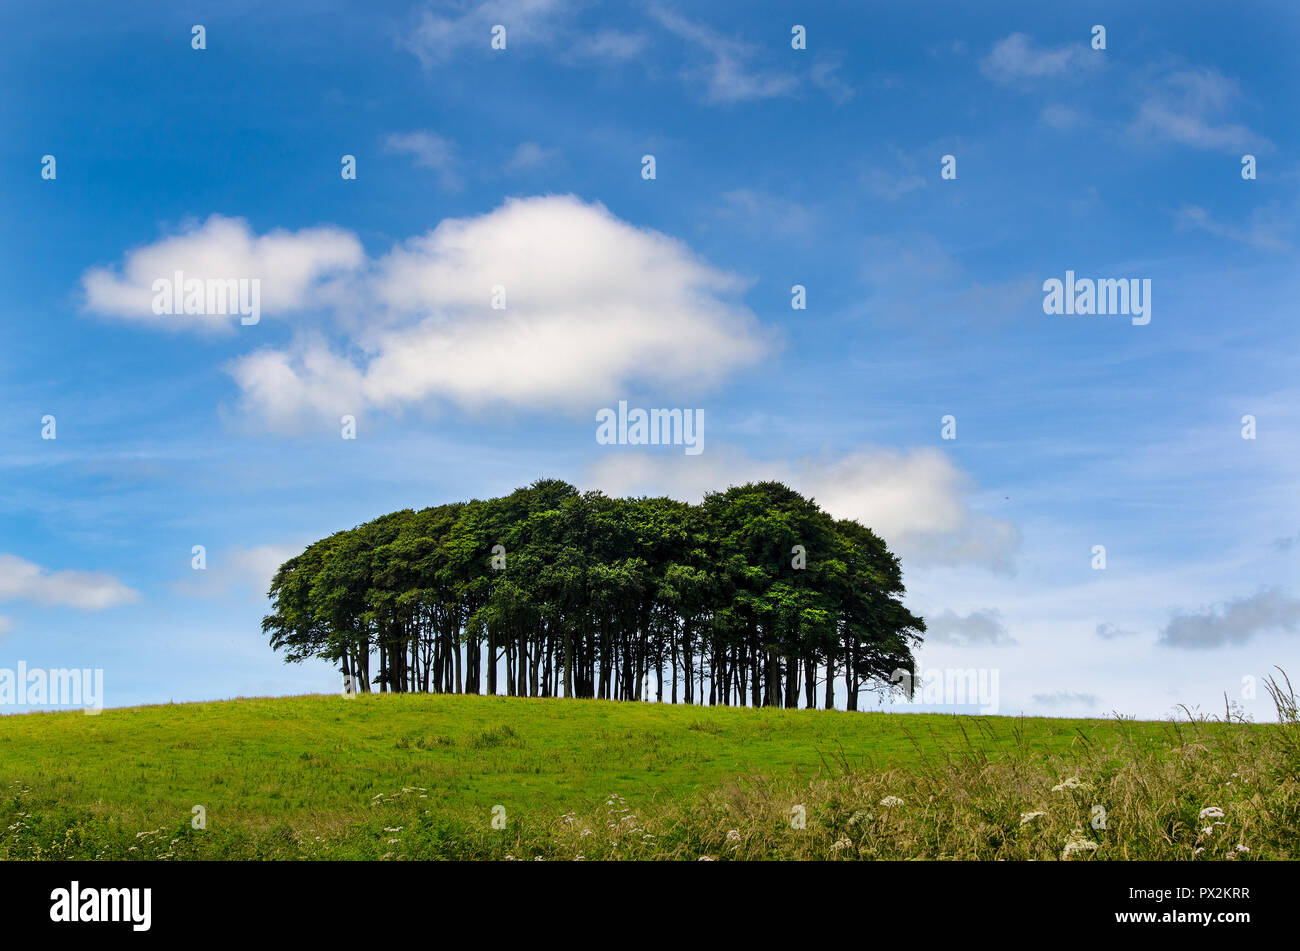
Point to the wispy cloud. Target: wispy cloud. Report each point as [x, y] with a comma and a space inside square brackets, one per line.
[1191, 107]
[528, 156]
[826, 75]
[445, 29]
[891, 184]
[1017, 59]
[728, 73]
[764, 213]
[430, 151]
[1267, 229]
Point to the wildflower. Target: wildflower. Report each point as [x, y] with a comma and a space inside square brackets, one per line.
[1030, 816]
[1208, 830]
[841, 844]
[1071, 783]
[1211, 812]
[891, 801]
[1078, 843]
[1242, 848]
[706, 858]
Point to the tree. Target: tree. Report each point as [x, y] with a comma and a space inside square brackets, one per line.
[756, 593]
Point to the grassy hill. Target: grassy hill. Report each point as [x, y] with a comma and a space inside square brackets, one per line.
[421, 776]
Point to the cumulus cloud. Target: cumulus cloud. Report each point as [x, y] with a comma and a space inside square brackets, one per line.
[1233, 622]
[592, 306]
[1189, 107]
[978, 629]
[22, 580]
[917, 500]
[294, 268]
[1017, 58]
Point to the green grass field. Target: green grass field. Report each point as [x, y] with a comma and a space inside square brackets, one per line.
[328, 777]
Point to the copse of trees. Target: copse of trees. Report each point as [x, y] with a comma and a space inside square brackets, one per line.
[750, 598]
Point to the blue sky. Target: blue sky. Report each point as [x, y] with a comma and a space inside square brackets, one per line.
[774, 167]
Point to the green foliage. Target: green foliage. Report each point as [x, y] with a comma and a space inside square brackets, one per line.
[581, 595]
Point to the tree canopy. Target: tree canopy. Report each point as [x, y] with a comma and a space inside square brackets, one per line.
[752, 597]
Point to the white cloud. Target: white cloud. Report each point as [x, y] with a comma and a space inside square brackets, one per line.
[764, 213]
[294, 269]
[593, 305]
[246, 568]
[825, 76]
[428, 151]
[729, 75]
[918, 501]
[22, 580]
[530, 155]
[891, 186]
[448, 28]
[1187, 107]
[1062, 118]
[610, 44]
[1267, 229]
[1016, 59]
[1233, 622]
